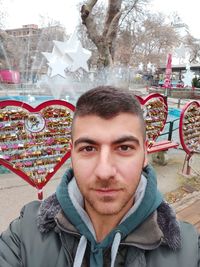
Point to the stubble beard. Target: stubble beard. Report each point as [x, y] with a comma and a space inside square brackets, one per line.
[108, 205]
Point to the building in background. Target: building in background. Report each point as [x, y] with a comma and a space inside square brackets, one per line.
[23, 47]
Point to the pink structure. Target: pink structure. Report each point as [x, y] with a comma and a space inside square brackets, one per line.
[9, 76]
[168, 73]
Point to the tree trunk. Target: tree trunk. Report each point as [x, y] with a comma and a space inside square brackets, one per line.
[104, 41]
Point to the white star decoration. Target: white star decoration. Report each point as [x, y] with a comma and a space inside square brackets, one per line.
[68, 55]
[57, 67]
[188, 76]
[79, 57]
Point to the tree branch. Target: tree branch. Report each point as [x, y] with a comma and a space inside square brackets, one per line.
[134, 6]
[112, 30]
[88, 21]
[86, 9]
[114, 8]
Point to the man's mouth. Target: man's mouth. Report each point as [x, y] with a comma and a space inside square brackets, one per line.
[107, 191]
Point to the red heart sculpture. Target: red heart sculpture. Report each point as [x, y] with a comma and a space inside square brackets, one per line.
[34, 142]
[189, 128]
[155, 110]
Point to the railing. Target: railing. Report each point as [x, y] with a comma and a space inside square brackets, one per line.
[171, 129]
[182, 93]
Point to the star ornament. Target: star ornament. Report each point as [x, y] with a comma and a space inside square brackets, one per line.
[188, 76]
[57, 68]
[79, 57]
[68, 45]
[49, 56]
[67, 56]
[57, 62]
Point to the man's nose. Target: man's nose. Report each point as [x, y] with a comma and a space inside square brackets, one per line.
[105, 167]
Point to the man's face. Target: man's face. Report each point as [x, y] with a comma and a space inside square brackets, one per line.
[107, 158]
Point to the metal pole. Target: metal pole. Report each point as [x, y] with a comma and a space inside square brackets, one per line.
[171, 124]
[179, 103]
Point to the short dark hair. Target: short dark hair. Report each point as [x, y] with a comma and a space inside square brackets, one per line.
[108, 102]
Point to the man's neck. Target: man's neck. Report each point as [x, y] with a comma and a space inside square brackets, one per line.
[104, 224]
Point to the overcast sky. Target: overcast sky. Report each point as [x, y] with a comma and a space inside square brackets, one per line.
[189, 12]
[22, 12]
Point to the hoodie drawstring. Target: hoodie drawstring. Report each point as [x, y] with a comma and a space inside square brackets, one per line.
[80, 252]
[114, 249]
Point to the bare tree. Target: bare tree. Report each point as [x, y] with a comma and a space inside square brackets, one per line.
[148, 40]
[193, 46]
[6, 51]
[105, 37]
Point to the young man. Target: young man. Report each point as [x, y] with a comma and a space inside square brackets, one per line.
[107, 210]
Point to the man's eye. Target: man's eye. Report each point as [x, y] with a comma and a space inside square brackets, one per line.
[125, 148]
[88, 149]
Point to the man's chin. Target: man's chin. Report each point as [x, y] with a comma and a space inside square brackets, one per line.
[106, 208]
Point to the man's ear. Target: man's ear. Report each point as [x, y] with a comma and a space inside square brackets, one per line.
[145, 154]
[70, 145]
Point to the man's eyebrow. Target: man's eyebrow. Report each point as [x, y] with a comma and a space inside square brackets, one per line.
[84, 140]
[126, 139]
[115, 142]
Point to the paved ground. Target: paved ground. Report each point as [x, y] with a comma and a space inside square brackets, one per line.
[188, 209]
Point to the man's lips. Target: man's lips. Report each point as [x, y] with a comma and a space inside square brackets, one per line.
[107, 191]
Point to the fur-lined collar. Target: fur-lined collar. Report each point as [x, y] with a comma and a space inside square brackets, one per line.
[165, 216]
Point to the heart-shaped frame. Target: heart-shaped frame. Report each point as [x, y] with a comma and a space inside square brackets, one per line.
[155, 110]
[189, 127]
[35, 141]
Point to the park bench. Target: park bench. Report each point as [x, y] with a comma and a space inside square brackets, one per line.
[159, 149]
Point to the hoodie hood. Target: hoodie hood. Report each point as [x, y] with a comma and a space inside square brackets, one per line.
[148, 204]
